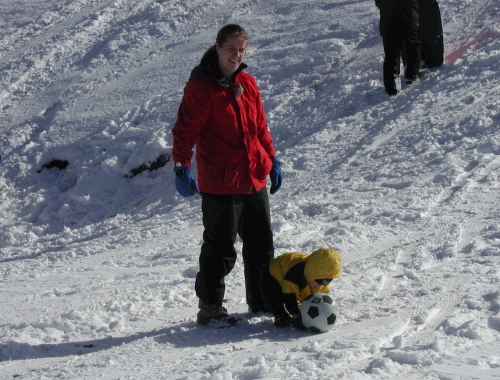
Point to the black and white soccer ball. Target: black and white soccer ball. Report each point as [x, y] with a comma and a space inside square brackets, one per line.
[319, 312]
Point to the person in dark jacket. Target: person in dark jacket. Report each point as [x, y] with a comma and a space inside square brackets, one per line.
[223, 115]
[399, 29]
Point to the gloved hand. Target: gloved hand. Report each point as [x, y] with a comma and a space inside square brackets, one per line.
[184, 182]
[282, 320]
[297, 323]
[276, 176]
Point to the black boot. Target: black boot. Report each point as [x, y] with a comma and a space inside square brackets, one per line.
[214, 314]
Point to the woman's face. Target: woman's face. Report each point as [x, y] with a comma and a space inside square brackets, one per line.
[231, 54]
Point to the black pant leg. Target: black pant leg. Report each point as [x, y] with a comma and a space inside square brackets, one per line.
[272, 294]
[393, 47]
[258, 249]
[221, 214]
[412, 39]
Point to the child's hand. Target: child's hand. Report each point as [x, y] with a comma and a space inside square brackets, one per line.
[297, 323]
[282, 320]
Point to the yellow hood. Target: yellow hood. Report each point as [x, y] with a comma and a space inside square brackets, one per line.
[323, 263]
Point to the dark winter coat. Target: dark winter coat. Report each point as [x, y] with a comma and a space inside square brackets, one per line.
[227, 123]
[393, 13]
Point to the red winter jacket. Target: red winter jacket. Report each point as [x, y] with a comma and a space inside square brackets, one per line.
[233, 144]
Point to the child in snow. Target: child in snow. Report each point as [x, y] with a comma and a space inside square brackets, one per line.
[293, 276]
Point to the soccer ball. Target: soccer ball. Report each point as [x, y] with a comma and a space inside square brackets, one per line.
[319, 312]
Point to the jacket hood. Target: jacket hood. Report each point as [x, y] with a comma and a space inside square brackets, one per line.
[210, 64]
[323, 263]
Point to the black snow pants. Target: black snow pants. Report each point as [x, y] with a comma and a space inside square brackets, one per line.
[399, 22]
[225, 217]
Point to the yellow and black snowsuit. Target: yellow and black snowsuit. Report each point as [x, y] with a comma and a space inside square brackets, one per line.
[293, 270]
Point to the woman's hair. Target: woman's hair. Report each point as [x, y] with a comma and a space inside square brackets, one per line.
[230, 30]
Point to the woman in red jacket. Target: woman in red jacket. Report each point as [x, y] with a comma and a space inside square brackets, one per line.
[222, 114]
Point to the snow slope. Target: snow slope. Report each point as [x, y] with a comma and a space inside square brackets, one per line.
[97, 262]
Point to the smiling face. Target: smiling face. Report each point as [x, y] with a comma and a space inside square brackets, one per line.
[231, 54]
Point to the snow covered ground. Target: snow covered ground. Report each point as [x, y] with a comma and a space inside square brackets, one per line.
[97, 262]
